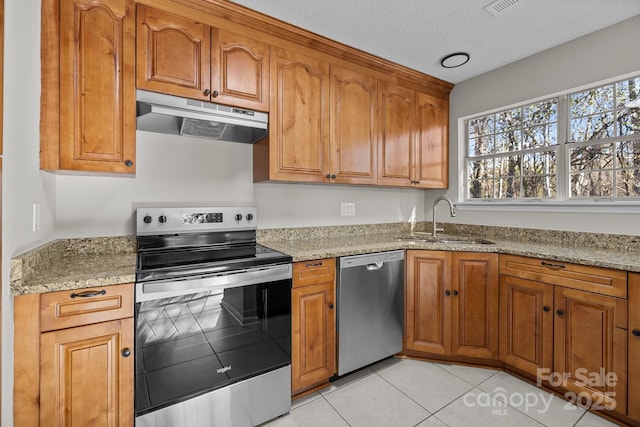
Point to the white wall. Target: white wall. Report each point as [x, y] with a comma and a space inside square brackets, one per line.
[598, 56]
[23, 183]
[174, 171]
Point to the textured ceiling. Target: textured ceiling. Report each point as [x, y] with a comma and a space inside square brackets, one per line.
[419, 33]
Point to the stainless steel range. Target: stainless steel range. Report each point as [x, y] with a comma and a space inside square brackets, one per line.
[213, 320]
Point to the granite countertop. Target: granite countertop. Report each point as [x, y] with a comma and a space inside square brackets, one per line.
[308, 249]
[74, 264]
[82, 263]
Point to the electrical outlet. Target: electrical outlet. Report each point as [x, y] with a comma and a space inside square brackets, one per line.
[36, 216]
[347, 209]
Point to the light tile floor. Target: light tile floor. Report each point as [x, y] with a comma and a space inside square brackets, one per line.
[411, 393]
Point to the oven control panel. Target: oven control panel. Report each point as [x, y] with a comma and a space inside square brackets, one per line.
[202, 219]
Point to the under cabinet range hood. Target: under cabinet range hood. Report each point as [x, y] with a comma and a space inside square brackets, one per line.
[157, 112]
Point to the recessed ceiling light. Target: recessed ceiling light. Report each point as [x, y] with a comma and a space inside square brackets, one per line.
[455, 60]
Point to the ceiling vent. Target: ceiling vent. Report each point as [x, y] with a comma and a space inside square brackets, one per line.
[499, 6]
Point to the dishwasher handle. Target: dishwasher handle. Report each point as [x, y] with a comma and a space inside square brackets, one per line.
[373, 261]
[375, 266]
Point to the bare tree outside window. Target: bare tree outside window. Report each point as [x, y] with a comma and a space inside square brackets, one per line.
[514, 153]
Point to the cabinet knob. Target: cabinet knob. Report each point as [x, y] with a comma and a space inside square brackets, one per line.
[126, 352]
[636, 332]
[333, 176]
[331, 306]
[328, 176]
[128, 163]
[207, 92]
[455, 293]
[560, 312]
[546, 308]
[447, 292]
[215, 94]
[416, 182]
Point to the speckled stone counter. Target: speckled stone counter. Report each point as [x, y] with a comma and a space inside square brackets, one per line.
[620, 252]
[74, 264]
[308, 249]
[83, 263]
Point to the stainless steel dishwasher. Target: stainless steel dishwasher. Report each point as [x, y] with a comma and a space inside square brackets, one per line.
[370, 308]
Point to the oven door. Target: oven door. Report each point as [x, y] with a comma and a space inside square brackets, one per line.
[195, 343]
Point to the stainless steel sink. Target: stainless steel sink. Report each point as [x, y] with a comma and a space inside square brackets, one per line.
[445, 239]
[465, 241]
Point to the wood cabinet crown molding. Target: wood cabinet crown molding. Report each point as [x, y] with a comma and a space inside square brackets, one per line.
[213, 11]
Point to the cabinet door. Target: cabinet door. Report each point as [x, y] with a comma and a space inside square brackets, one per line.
[173, 54]
[298, 118]
[526, 324]
[97, 93]
[239, 71]
[428, 302]
[86, 379]
[590, 342]
[432, 142]
[354, 121]
[474, 331]
[313, 351]
[396, 130]
[634, 347]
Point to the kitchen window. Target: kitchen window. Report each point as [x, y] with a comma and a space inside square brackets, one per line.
[579, 146]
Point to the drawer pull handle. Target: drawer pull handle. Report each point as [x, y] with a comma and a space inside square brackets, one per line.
[313, 264]
[560, 312]
[126, 352]
[447, 292]
[330, 306]
[88, 294]
[636, 332]
[552, 265]
[546, 308]
[455, 293]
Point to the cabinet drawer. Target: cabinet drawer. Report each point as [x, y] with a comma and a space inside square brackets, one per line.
[593, 279]
[65, 309]
[313, 272]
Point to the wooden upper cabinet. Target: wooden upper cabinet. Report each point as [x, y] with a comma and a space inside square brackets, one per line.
[240, 71]
[413, 143]
[354, 121]
[178, 56]
[298, 144]
[432, 142]
[396, 127]
[173, 54]
[88, 103]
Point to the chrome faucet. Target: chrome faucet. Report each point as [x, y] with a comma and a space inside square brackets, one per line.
[452, 210]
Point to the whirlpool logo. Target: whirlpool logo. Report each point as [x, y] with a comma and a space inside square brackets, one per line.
[223, 369]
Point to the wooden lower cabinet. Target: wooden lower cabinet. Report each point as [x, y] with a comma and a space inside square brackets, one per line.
[313, 324]
[452, 303]
[590, 341]
[633, 370]
[571, 339]
[86, 379]
[526, 326]
[74, 358]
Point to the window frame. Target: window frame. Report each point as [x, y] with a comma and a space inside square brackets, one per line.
[563, 202]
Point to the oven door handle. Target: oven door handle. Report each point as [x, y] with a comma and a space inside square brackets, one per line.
[147, 291]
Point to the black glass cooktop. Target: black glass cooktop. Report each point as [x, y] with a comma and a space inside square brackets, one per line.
[174, 256]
